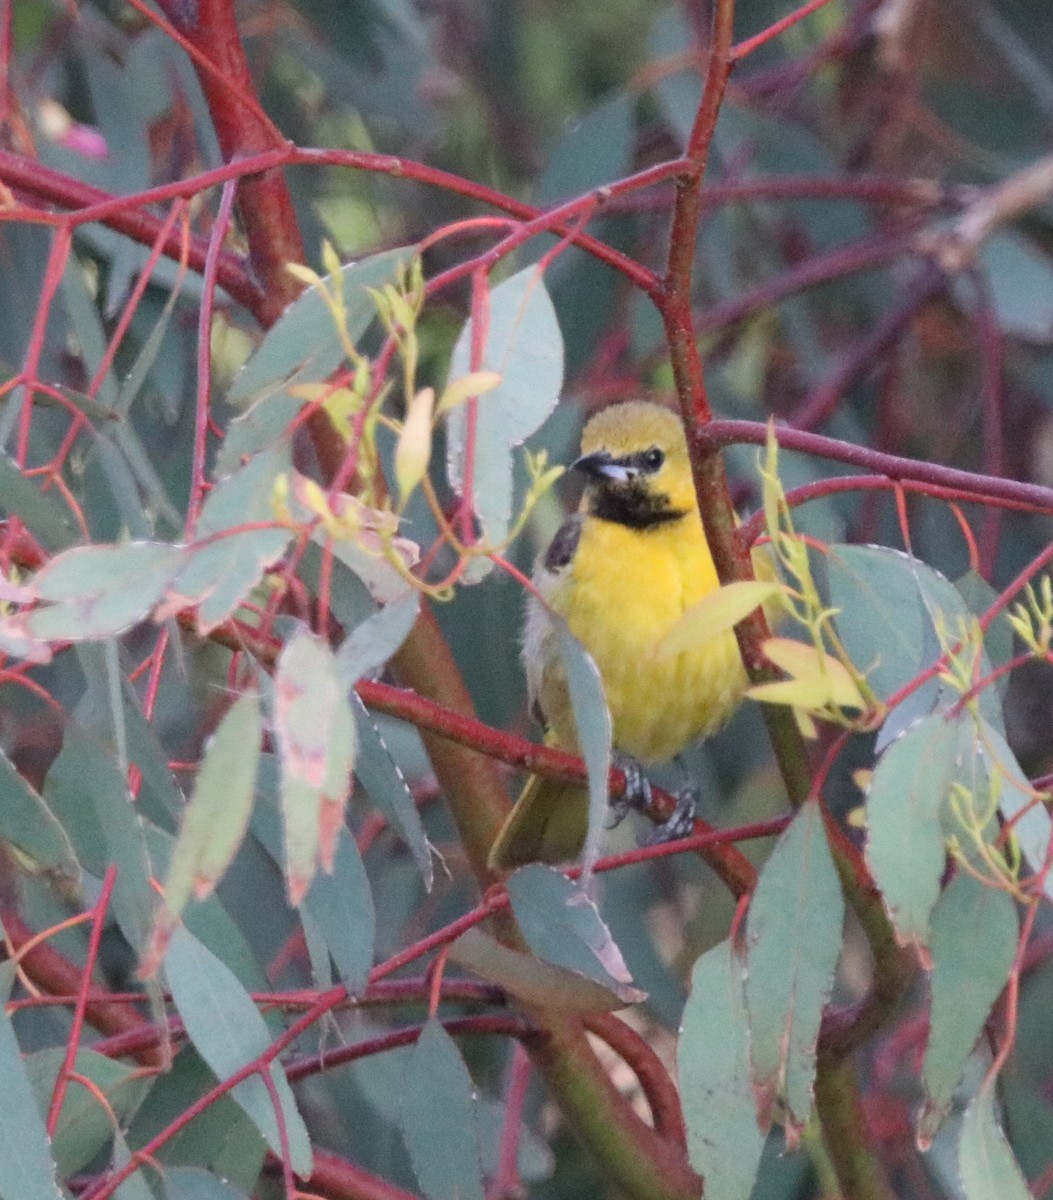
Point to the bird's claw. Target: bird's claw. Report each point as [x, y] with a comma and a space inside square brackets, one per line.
[679, 825]
[637, 793]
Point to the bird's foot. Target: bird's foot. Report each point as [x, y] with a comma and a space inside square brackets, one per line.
[637, 794]
[680, 824]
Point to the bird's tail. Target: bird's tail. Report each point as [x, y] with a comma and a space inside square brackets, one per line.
[547, 824]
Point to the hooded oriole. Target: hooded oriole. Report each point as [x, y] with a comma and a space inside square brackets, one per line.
[622, 571]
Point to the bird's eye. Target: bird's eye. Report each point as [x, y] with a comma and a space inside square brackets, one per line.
[653, 459]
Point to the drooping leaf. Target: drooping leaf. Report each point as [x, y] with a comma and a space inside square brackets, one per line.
[27, 1170]
[592, 720]
[215, 819]
[316, 741]
[379, 774]
[229, 1033]
[989, 1170]
[562, 926]
[303, 341]
[793, 937]
[341, 904]
[524, 346]
[724, 1139]
[973, 943]
[439, 1121]
[338, 907]
[905, 845]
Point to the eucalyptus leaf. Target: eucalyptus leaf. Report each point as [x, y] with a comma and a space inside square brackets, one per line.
[27, 1170]
[304, 341]
[229, 1033]
[793, 935]
[439, 1121]
[524, 346]
[724, 1139]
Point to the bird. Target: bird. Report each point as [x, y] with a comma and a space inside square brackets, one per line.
[621, 571]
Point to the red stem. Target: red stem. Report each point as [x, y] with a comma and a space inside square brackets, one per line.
[972, 486]
[73, 1043]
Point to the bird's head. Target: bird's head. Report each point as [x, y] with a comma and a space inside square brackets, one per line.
[634, 459]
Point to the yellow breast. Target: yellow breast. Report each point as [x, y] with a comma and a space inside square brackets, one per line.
[620, 595]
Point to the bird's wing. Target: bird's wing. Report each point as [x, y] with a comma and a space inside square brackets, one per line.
[546, 681]
[560, 552]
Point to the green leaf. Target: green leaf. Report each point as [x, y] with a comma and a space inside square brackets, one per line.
[988, 1169]
[89, 795]
[28, 824]
[229, 1033]
[338, 906]
[1032, 827]
[192, 1183]
[998, 640]
[46, 518]
[888, 602]
[592, 720]
[562, 926]
[794, 937]
[303, 340]
[905, 842]
[316, 741]
[379, 774]
[261, 427]
[135, 1186]
[524, 346]
[27, 1171]
[716, 614]
[724, 1140]
[100, 591]
[222, 1138]
[531, 980]
[593, 150]
[216, 818]
[973, 943]
[369, 645]
[439, 1121]
[1020, 276]
[226, 562]
[84, 1127]
[341, 903]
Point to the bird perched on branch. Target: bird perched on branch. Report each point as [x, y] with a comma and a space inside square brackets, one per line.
[621, 571]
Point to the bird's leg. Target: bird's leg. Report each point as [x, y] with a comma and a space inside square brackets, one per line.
[680, 824]
[637, 792]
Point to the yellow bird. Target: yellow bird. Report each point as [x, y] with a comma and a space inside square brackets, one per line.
[622, 571]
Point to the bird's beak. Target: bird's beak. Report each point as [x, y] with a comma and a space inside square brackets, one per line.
[603, 465]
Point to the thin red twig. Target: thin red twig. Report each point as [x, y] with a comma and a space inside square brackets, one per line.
[58, 1093]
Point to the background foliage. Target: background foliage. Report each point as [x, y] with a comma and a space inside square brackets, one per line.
[241, 503]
